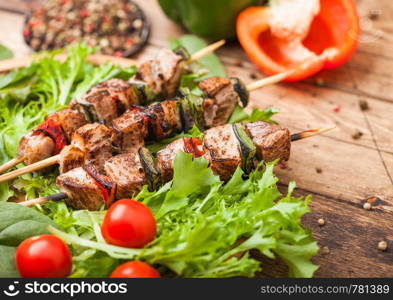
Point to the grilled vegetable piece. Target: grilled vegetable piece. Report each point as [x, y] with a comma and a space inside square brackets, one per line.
[272, 141]
[164, 119]
[166, 156]
[132, 129]
[241, 90]
[152, 173]
[220, 102]
[106, 185]
[195, 107]
[163, 73]
[127, 171]
[96, 140]
[143, 92]
[246, 147]
[81, 189]
[69, 120]
[222, 151]
[71, 157]
[106, 101]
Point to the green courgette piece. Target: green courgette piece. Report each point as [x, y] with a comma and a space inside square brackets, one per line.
[183, 52]
[88, 110]
[153, 175]
[246, 147]
[144, 93]
[241, 90]
[186, 117]
[195, 104]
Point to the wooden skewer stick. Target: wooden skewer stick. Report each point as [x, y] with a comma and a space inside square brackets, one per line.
[30, 168]
[270, 80]
[309, 133]
[41, 200]
[11, 163]
[205, 51]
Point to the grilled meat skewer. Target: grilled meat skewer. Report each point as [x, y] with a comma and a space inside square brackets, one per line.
[155, 122]
[107, 101]
[125, 174]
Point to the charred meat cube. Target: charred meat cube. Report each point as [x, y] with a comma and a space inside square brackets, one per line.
[163, 73]
[106, 101]
[127, 171]
[164, 119]
[272, 141]
[71, 157]
[166, 156]
[96, 140]
[122, 92]
[69, 120]
[132, 129]
[82, 189]
[222, 151]
[221, 100]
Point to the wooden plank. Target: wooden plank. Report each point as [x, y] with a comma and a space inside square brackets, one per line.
[348, 241]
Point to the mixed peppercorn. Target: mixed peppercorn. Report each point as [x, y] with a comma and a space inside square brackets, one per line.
[118, 27]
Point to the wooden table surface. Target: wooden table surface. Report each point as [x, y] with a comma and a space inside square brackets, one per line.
[340, 171]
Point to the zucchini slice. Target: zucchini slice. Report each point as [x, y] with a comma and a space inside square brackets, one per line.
[88, 110]
[153, 175]
[246, 147]
[241, 90]
[144, 93]
[195, 108]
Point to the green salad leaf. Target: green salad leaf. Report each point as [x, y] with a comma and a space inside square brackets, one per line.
[5, 53]
[205, 227]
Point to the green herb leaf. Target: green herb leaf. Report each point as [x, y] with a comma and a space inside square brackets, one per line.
[5, 53]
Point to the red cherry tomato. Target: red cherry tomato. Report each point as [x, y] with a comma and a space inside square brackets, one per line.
[135, 269]
[43, 256]
[128, 223]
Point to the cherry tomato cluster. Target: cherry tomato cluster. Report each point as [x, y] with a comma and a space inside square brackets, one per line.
[127, 223]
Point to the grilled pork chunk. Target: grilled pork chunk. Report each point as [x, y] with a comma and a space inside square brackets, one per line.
[71, 157]
[96, 140]
[272, 141]
[220, 102]
[163, 73]
[82, 189]
[164, 119]
[166, 156]
[36, 147]
[69, 120]
[222, 151]
[127, 171]
[132, 129]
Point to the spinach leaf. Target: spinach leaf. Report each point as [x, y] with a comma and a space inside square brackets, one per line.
[18, 223]
[7, 262]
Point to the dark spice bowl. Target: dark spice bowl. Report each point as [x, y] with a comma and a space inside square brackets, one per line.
[121, 29]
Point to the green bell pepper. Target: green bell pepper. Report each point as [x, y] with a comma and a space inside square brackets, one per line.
[211, 19]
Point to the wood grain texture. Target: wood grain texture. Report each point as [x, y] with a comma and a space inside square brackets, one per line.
[350, 171]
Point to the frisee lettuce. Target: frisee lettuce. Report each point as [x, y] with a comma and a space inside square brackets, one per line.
[205, 227]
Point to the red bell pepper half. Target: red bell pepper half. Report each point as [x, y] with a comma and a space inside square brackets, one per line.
[336, 26]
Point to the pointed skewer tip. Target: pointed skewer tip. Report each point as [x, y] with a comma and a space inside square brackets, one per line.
[310, 133]
[205, 51]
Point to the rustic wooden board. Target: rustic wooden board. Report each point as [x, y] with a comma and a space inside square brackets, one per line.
[350, 171]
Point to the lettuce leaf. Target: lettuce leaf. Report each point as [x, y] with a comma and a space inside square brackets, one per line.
[206, 228]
